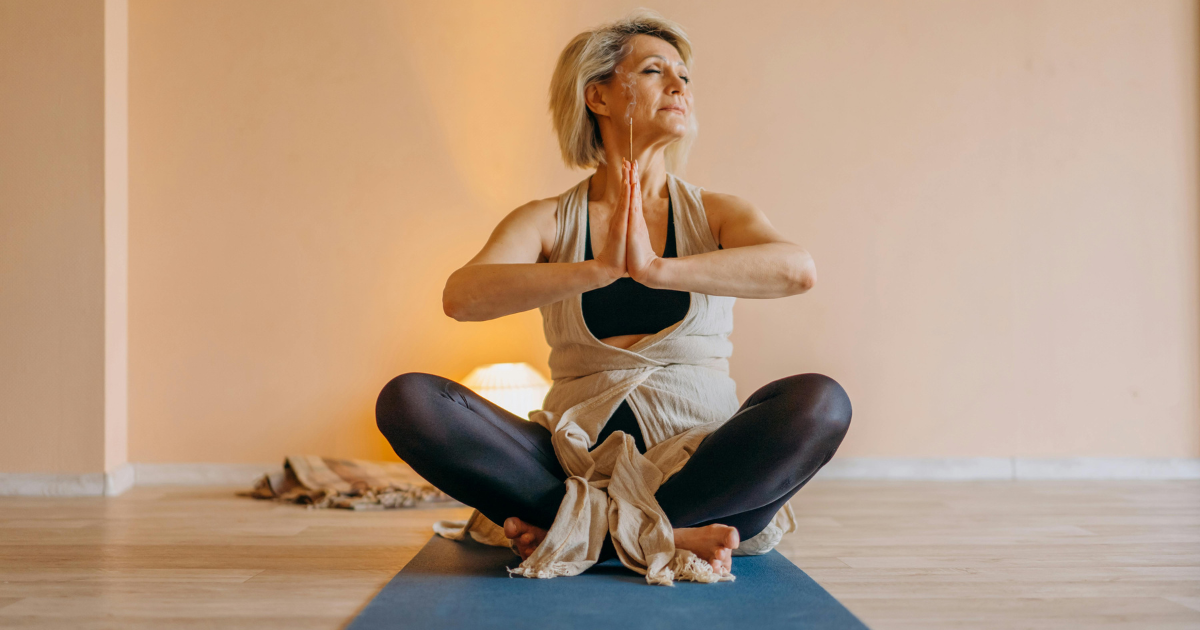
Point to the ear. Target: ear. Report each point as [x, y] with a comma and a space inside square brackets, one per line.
[595, 97]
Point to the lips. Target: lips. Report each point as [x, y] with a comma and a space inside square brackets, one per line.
[672, 109]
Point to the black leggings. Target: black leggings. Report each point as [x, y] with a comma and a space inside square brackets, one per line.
[503, 465]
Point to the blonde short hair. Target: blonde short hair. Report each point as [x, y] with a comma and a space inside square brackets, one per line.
[592, 57]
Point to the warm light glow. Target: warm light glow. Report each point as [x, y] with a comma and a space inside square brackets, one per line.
[516, 387]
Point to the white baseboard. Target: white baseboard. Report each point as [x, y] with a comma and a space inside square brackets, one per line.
[68, 484]
[1107, 468]
[203, 474]
[867, 468]
[1011, 468]
[127, 476]
[947, 468]
[119, 480]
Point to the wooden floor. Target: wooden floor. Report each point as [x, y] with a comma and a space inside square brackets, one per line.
[899, 554]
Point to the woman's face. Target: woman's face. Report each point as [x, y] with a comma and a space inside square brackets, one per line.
[651, 87]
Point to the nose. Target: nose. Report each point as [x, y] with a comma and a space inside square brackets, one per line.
[676, 85]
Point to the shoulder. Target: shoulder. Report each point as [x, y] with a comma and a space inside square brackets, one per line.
[724, 203]
[536, 211]
[522, 236]
[723, 209]
[540, 215]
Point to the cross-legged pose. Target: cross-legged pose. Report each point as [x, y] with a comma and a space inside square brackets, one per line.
[641, 443]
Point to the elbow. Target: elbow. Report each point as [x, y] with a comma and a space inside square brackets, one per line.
[463, 310]
[463, 304]
[451, 309]
[459, 311]
[455, 309]
[802, 274]
[452, 305]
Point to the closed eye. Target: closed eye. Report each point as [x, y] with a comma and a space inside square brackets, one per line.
[653, 71]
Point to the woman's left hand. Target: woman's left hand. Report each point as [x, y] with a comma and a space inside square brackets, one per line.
[640, 258]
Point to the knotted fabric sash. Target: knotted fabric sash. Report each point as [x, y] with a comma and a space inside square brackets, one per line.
[678, 386]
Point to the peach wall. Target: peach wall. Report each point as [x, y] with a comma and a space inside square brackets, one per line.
[1000, 197]
[116, 233]
[52, 335]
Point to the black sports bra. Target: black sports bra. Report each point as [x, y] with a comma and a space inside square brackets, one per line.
[628, 307]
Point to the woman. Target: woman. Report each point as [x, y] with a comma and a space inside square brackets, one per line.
[642, 451]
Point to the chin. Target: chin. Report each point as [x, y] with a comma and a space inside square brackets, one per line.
[669, 132]
[675, 135]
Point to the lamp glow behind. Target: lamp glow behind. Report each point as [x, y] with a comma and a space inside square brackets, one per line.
[517, 387]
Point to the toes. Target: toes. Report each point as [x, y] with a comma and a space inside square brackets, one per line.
[518, 526]
[724, 559]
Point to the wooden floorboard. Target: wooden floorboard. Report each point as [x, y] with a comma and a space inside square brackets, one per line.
[899, 554]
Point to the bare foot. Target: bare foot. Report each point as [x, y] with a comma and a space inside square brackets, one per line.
[527, 537]
[713, 543]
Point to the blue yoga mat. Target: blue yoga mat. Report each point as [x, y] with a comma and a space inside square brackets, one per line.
[464, 584]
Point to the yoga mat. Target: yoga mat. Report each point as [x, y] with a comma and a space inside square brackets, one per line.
[464, 584]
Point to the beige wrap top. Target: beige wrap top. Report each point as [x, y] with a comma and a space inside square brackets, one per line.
[678, 385]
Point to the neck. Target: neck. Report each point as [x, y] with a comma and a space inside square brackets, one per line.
[651, 167]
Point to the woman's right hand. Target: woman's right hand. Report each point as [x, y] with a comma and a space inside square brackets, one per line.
[612, 255]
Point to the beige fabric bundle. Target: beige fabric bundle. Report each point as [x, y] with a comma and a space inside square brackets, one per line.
[353, 484]
[677, 383]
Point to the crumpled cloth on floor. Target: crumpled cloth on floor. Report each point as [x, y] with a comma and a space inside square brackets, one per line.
[352, 484]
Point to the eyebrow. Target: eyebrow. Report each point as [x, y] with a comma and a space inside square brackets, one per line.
[663, 58]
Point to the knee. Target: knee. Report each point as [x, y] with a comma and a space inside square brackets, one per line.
[397, 410]
[818, 406]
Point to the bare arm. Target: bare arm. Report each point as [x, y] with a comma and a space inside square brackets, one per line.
[509, 274]
[755, 261]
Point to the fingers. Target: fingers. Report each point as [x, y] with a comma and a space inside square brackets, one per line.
[635, 189]
[635, 185]
[624, 178]
[627, 189]
[630, 182]
[620, 217]
[636, 175]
